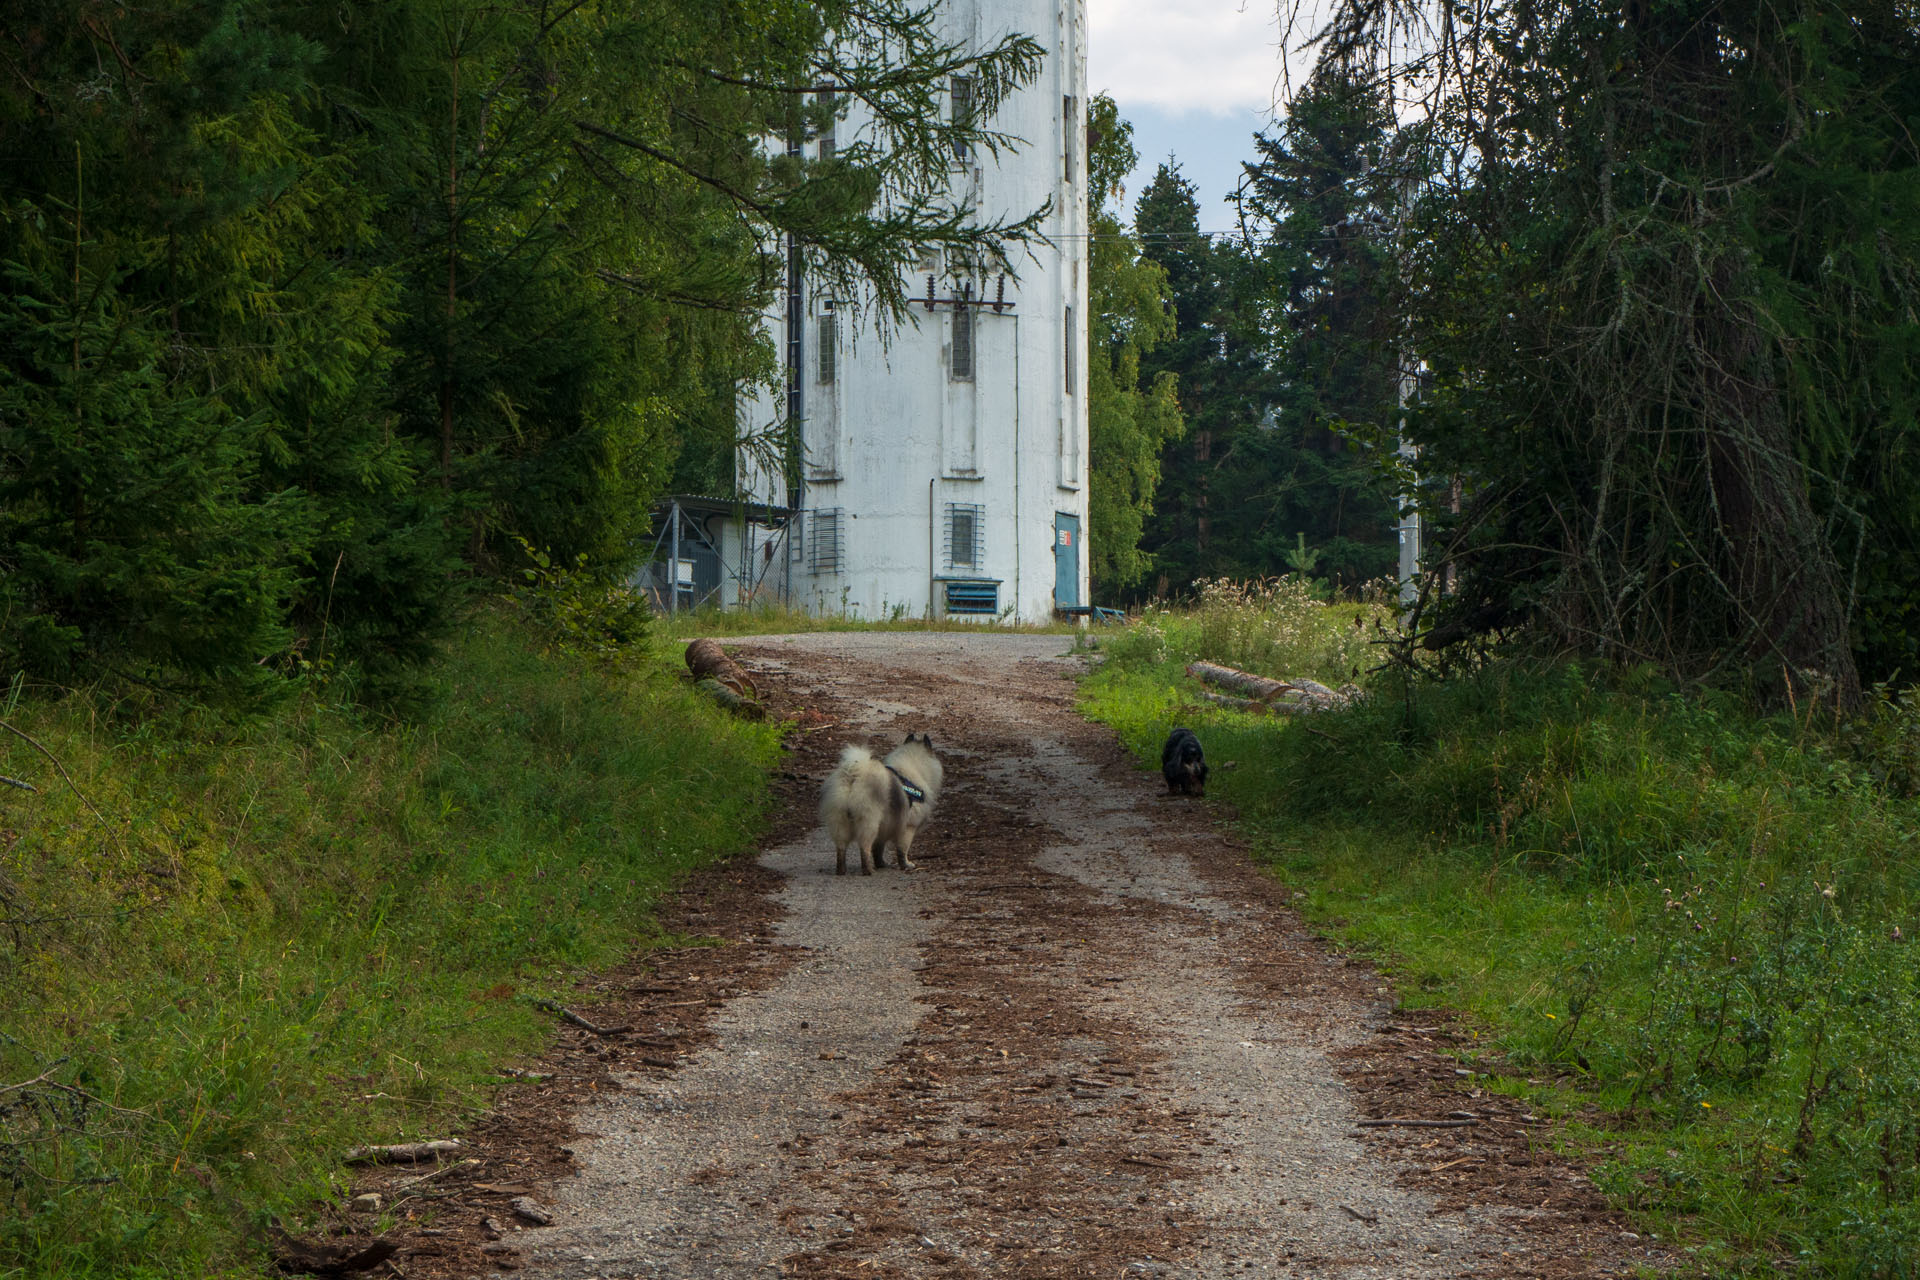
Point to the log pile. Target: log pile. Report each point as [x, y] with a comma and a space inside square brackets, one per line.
[723, 679]
[1262, 696]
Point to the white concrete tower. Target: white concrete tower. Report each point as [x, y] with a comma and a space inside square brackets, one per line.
[946, 468]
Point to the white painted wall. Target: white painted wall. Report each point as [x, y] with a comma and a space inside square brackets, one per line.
[895, 438]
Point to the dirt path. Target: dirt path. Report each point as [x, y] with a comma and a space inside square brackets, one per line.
[1083, 1039]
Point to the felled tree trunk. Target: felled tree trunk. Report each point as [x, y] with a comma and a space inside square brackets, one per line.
[707, 660]
[1273, 695]
[723, 679]
[1244, 683]
[732, 701]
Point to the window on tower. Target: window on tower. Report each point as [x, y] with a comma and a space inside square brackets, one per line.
[823, 540]
[1067, 326]
[960, 366]
[827, 344]
[828, 112]
[965, 535]
[961, 100]
[1068, 133]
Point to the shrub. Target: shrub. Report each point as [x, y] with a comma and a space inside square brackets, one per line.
[1276, 627]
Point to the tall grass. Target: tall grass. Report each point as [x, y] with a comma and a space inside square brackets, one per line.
[1276, 627]
[1695, 920]
[284, 936]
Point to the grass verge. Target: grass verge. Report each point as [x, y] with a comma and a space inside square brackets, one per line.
[1672, 914]
[231, 950]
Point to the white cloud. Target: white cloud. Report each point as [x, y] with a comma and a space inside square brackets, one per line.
[1216, 57]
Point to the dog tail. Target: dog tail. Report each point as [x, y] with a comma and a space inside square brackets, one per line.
[854, 755]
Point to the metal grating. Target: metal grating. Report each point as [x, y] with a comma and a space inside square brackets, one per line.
[973, 597]
[966, 535]
[823, 540]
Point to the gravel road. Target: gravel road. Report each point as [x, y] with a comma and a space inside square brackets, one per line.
[1085, 1037]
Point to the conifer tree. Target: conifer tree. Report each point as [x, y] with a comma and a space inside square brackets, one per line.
[1662, 266]
[1128, 424]
[332, 305]
[1181, 535]
[1265, 460]
[1316, 214]
[190, 378]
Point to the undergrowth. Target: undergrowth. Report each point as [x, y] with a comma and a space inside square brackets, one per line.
[1274, 627]
[229, 950]
[1686, 925]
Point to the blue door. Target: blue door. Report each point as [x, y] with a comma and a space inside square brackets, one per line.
[1066, 560]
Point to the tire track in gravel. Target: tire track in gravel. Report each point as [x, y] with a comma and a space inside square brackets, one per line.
[1086, 1038]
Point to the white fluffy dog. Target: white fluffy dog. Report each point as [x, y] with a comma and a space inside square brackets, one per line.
[873, 803]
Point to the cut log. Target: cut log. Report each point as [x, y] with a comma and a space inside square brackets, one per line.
[731, 699]
[1314, 689]
[1244, 683]
[404, 1152]
[708, 661]
[723, 679]
[1277, 695]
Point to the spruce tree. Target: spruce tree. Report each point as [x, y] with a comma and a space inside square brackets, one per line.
[1662, 265]
[1316, 212]
[1128, 424]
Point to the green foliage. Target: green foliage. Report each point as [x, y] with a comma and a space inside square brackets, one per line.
[579, 612]
[1664, 911]
[1128, 425]
[310, 312]
[1274, 352]
[1276, 627]
[281, 939]
[128, 519]
[1317, 203]
[1886, 739]
[1302, 558]
[1663, 262]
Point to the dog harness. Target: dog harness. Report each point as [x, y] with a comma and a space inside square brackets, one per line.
[914, 794]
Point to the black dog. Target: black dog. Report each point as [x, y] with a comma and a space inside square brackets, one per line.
[1184, 764]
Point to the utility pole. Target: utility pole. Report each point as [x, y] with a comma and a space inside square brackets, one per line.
[673, 563]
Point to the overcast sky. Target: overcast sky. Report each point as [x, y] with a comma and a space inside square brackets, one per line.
[1197, 79]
